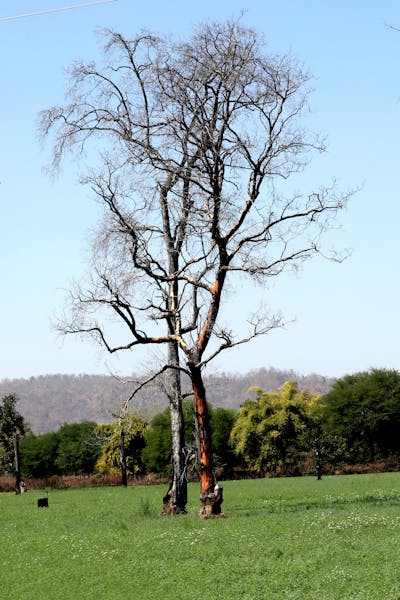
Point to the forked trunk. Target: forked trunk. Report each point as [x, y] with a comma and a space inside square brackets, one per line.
[175, 499]
[210, 491]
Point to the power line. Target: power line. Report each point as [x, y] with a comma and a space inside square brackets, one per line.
[51, 10]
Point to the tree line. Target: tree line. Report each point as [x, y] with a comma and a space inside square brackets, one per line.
[286, 432]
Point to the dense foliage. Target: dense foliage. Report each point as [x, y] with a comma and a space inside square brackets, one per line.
[222, 422]
[157, 453]
[364, 411]
[72, 450]
[39, 454]
[274, 432]
[12, 428]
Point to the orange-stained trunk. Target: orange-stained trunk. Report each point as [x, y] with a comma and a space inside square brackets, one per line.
[210, 491]
[207, 481]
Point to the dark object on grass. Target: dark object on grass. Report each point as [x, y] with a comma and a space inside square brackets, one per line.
[43, 503]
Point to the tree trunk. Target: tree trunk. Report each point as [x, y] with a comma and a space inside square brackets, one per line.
[318, 464]
[210, 491]
[318, 457]
[19, 484]
[175, 499]
[124, 477]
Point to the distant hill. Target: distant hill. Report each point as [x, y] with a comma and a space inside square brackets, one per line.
[48, 401]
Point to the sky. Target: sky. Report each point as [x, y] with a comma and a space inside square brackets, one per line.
[342, 318]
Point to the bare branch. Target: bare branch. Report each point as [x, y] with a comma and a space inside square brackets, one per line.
[259, 327]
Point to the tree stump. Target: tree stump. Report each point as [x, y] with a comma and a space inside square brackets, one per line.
[170, 507]
[211, 504]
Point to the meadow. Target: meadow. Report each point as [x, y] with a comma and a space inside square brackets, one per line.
[294, 538]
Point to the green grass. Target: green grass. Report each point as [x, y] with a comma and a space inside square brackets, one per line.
[298, 538]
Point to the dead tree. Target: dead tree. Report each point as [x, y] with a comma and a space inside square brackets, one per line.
[199, 139]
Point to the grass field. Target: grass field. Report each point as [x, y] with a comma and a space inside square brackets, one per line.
[295, 538]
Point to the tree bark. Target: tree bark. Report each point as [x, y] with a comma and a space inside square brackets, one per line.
[175, 499]
[210, 492]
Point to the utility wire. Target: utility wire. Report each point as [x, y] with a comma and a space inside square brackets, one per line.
[51, 10]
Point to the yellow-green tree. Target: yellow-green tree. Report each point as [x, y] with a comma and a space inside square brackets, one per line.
[122, 445]
[275, 431]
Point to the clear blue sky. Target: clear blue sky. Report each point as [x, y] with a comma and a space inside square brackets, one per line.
[346, 316]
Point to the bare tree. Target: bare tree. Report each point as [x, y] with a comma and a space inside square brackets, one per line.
[199, 137]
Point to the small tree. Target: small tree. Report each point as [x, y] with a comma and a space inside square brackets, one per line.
[12, 429]
[197, 134]
[273, 432]
[130, 432]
